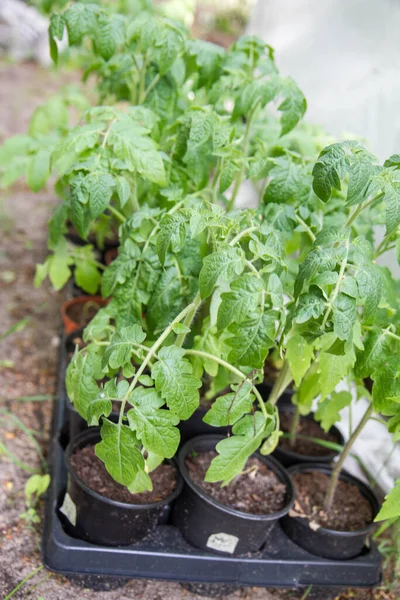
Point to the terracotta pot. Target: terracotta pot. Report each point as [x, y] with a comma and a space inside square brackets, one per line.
[110, 255]
[70, 323]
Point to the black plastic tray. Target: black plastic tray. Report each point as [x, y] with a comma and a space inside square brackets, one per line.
[166, 555]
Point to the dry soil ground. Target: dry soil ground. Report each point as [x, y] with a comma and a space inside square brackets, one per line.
[28, 367]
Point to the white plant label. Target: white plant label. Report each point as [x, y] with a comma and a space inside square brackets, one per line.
[68, 509]
[223, 542]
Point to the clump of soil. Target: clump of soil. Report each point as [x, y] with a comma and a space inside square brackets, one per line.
[350, 511]
[92, 471]
[82, 314]
[309, 428]
[258, 490]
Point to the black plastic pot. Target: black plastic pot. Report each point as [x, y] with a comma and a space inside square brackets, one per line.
[265, 389]
[289, 457]
[208, 524]
[195, 426]
[328, 543]
[101, 520]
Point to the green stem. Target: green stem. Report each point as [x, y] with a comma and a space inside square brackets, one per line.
[142, 80]
[346, 450]
[239, 177]
[231, 368]
[242, 234]
[116, 213]
[151, 86]
[284, 379]
[151, 352]
[307, 228]
[337, 288]
[294, 426]
[96, 263]
[188, 320]
[362, 207]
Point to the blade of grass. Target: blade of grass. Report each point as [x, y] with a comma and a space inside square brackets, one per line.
[19, 586]
[16, 460]
[26, 431]
[14, 328]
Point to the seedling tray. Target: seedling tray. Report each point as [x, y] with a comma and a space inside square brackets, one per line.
[166, 555]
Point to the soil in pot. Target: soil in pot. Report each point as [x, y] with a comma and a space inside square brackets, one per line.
[307, 427]
[92, 471]
[82, 314]
[350, 510]
[257, 491]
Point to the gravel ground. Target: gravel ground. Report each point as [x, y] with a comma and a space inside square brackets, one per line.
[28, 366]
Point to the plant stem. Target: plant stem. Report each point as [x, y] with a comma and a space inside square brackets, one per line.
[96, 263]
[346, 450]
[116, 213]
[151, 86]
[231, 368]
[307, 228]
[337, 287]
[280, 385]
[294, 427]
[238, 181]
[188, 320]
[362, 207]
[151, 352]
[242, 234]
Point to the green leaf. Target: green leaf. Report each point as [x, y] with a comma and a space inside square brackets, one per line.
[207, 342]
[223, 264]
[59, 263]
[172, 233]
[386, 386]
[101, 405]
[172, 374]
[370, 284]
[87, 276]
[293, 106]
[100, 187]
[391, 505]
[123, 190]
[328, 410]
[332, 165]
[242, 300]
[110, 33]
[299, 354]
[233, 452]
[344, 316]
[38, 170]
[228, 172]
[289, 182]
[333, 369]
[166, 301]
[119, 451]
[80, 380]
[360, 173]
[251, 340]
[81, 21]
[378, 347]
[155, 428]
[119, 352]
[228, 409]
[310, 306]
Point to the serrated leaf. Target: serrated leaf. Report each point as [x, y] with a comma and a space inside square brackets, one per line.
[119, 451]
[223, 264]
[234, 451]
[110, 33]
[386, 386]
[377, 349]
[101, 405]
[332, 165]
[299, 354]
[369, 282]
[123, 190]
[172, 374]
[391, 505]
[344, 316]
[227, 176]
[251, 340]
[328, 410]
[155, 428]
[59, 266]
[289, 182]
[80, 380]
[80, 20]
[180, 328]
[310, 306]
[242, 300]
[38, 170]
[99, 187]
[293, 106]
[119, 351]
[333, 369]
[228, 409]
[172, 233]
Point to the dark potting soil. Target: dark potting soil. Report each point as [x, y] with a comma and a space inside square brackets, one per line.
[92, 471]
[258, 490]
[82, 314]
[306, 427]
[350, 511]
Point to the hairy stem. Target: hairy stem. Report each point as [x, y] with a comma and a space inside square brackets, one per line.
[116, 214]
[231, 368]
[284, 379]
[307, 228]
[188, 320]
[150, 354]
[362, 207]
[346, 450]
[294, 427]
[337, 288]
[242, 234]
